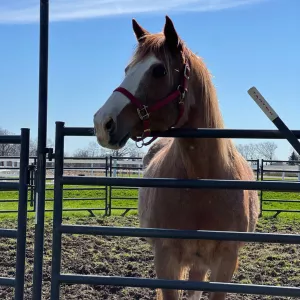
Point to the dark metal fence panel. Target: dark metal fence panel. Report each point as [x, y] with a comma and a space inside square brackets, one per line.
[20, 233]
[59, 228]
[57, 214]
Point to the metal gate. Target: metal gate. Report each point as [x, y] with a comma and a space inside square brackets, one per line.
[20, 233]
[57, 278]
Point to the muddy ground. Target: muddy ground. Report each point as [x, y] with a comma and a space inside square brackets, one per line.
[274, 264]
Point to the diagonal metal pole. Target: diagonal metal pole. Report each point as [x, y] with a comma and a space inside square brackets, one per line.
[41, 152]
[273, 116]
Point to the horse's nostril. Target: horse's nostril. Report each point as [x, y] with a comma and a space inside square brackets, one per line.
[110, 125]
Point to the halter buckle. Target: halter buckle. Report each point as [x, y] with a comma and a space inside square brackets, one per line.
[182, 91]
[143, 112]
[186, 72]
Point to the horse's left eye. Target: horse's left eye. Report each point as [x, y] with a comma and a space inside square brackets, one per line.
[159, 71]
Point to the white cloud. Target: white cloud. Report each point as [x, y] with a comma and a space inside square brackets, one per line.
[27, 11]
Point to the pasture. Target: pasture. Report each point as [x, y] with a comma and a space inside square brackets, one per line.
[275, 264]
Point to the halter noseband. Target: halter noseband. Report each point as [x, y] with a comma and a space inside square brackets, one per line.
[144, 111]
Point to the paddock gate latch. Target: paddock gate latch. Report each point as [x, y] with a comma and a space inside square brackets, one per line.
[51, 155]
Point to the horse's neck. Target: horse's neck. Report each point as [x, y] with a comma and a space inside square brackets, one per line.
[204, 158]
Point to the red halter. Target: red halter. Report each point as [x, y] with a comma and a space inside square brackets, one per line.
[144, 110]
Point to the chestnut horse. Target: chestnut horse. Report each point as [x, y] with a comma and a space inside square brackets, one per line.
[166, 85]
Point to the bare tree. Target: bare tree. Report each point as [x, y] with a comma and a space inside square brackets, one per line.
[8, 149]
[249, 151]
[81, 153]
[94, 150]
[130, 149]
[267, 150]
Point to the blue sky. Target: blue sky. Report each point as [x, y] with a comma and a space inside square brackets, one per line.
[243, 42]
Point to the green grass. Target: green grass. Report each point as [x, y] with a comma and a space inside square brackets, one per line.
[123, 202]
[98, 192]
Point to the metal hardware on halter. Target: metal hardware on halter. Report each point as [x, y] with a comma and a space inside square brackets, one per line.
[186, 72]
[141, 115]
[182, 91]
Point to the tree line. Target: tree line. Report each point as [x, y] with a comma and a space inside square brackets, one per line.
[91, 150]
[94, 150]
[14, 150]
[262, 150]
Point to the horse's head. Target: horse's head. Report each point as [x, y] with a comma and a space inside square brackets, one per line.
[152, 94]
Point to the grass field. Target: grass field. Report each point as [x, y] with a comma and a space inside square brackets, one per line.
[126, 198]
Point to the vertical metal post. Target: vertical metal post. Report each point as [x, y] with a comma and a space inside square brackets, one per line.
[41, 151]
[261, 192]
[106, 188]
[257, 169]
[31, 181]
[58, 208]
[22, 214]
[110, 187]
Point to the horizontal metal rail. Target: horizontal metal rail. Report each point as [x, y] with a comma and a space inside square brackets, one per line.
[184, 183]
[124, 198]
[197, 133]
[281, 200]
[280, 171]
[80, 189]
[10, 139]
[282, 210]
[180, 285]
[6, 281]
[78, 209]
[8, 233]
[182, 234]
[9, 186]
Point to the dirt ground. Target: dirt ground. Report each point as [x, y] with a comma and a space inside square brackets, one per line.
[274, 264]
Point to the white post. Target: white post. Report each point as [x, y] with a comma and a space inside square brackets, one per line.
[92, 165]
[283, 175]
[299, 173]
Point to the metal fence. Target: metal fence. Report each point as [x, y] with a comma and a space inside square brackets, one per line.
[111, 198]
[20, 233]
[58, 278]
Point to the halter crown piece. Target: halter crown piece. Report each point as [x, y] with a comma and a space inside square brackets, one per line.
[145, 111]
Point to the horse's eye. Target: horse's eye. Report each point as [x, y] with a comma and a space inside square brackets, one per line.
[159, 71]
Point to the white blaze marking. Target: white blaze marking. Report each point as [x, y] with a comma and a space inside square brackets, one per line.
[117, 101]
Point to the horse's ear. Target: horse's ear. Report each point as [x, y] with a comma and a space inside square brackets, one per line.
[171, 36]
[139, 31]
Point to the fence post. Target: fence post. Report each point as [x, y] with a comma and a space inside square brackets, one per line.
[32, 185]
[261, 192]
[257, 169]
[109, 194]
[58, 208]
[22, 215]
[106, 187]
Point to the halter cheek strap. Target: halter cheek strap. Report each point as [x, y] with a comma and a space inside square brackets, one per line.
[145, 111]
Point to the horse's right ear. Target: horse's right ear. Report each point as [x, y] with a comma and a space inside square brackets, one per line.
[139, 31]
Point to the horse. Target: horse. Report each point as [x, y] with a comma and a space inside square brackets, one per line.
[167, 85]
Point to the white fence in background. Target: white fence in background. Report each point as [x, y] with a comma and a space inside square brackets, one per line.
[9, 166]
